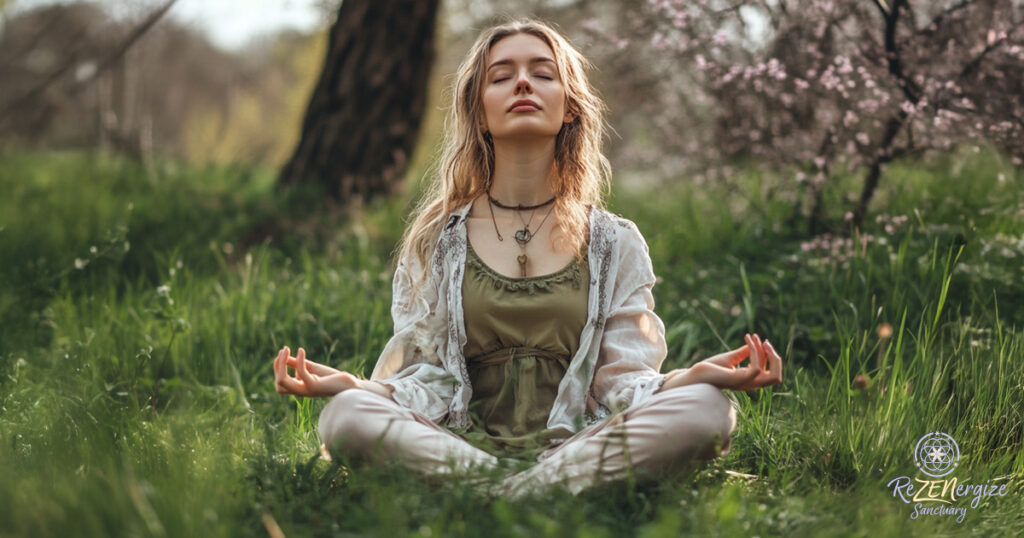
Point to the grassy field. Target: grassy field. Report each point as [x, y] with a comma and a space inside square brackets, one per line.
[141, 307]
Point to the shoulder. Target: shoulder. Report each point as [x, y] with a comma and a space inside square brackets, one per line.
[623, 230]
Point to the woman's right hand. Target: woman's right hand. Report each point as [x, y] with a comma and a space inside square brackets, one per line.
[311, 379]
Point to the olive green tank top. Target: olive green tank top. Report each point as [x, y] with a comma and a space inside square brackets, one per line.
[521, 334]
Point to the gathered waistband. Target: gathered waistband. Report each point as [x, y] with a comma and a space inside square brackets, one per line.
[509, 353]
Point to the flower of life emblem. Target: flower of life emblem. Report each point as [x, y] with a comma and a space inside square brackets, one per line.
[936, 454]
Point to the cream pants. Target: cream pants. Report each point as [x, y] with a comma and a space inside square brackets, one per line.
[672, 430]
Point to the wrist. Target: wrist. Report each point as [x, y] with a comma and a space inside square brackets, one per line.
[375, 387]
[682, 377]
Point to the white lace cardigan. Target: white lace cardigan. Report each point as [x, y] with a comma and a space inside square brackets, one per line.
[620, 352]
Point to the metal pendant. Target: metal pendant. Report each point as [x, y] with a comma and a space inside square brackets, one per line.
[522, 263]
[523, 236]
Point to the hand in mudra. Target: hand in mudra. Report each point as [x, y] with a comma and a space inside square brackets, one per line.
[724, 371]
[311, 378]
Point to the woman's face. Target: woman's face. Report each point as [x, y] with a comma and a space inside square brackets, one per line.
[522, 67]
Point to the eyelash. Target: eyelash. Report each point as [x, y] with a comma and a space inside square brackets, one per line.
[539, 76]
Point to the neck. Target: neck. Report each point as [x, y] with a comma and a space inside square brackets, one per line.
[522, 169]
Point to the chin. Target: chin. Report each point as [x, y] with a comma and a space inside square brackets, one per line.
[521, 134]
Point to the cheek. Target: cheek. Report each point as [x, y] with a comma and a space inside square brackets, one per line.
[557, 100]
[491, 103]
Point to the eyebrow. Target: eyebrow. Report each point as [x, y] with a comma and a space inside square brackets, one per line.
[509, 62]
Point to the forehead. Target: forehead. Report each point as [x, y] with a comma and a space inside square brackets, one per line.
[519, 48]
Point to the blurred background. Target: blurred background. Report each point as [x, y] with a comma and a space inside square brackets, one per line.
[693, 88]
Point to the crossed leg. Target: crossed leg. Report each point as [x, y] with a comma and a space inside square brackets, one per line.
[673, 430]
[364, 424]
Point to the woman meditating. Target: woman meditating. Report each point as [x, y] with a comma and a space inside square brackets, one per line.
[523, 310]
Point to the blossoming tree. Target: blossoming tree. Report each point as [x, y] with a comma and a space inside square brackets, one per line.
[815, 87]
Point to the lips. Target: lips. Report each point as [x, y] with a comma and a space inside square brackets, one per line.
[523, 102]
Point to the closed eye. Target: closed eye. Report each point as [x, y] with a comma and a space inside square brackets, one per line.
[506, 78]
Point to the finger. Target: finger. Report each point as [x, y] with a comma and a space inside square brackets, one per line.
[312, 366]
[745, 378]
[769, 355]
[755, 355]
[773, 375]
[281, 379]
[728, 378]
[320, 369]
[776, 363]
[280, 366]
[763, 355]
[737, 355]
[288, 385]
[301, 369]
[277, 364]
[730, 358]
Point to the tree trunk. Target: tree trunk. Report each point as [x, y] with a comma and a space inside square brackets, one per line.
[363, 118]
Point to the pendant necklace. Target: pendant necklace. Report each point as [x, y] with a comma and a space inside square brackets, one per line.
[524, 235]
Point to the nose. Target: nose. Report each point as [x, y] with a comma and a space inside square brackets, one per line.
[523, 85]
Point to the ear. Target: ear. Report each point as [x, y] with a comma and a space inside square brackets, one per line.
[569, 117]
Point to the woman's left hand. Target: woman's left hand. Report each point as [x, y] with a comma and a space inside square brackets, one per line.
[724, 370]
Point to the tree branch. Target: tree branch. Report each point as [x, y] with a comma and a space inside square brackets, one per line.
[972, 66]
[906, 84]
[933, 26]
[109, 60]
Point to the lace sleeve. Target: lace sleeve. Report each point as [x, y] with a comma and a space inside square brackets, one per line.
[410, 361]
[633, 346]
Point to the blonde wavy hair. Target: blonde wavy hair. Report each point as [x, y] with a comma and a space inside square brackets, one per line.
[466, 167]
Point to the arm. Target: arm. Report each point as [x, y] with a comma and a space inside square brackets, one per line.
[724, 372]
[410, 367]
[633, 347]
[408, 371]
[633, 344]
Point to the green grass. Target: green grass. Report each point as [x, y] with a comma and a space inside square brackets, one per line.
[136, 394]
